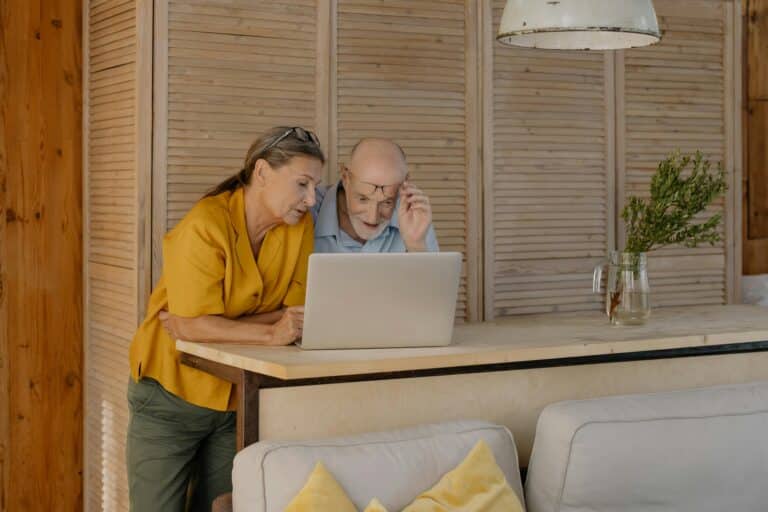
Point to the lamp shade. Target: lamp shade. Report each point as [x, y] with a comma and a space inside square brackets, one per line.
[579, 24]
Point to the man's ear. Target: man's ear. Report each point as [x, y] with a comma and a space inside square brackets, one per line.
[343, 173]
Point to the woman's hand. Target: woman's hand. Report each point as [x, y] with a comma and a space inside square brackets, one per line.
[289, 328]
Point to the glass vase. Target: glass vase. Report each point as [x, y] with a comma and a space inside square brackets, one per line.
[627, 293]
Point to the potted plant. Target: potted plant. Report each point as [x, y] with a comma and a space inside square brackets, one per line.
[670, 216]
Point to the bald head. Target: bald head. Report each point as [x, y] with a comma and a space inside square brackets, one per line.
[378, 160]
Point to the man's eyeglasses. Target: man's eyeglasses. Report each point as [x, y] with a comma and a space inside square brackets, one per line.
[369, 189]
[301, 134]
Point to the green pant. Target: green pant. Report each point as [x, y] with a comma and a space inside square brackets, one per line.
[179, 455]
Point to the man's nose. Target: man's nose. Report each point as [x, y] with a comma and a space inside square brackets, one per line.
[372, 214]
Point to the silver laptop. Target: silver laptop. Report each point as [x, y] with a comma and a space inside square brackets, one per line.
[380, 300]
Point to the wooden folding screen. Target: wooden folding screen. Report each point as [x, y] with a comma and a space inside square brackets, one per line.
[549, 160]
[225, 72]
[569, 135]
[679, 94]
[407, 71]
[117, 155]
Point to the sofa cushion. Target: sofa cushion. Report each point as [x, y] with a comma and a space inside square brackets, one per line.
[477, 484]
[321, 493]
[394, 466]
[696, 450]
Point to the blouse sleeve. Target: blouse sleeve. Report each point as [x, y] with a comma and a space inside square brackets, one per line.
[193, 269]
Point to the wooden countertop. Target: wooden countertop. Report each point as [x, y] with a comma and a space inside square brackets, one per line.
[520, 339]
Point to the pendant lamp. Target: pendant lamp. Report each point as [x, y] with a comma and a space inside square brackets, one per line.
[579, 24]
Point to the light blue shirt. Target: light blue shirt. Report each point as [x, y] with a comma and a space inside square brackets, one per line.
[329, 237]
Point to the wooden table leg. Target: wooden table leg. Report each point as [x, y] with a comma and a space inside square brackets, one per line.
[245, 387]
[247, 396]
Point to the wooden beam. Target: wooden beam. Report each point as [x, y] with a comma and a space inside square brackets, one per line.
[474, 148]
[41, 348]
[755, 182]
[5, 406]
[757, 179]
[160, 139]
[486, 64]
[144, 33]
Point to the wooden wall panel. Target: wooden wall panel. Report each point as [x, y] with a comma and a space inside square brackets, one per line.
[553, 123]
[41, 349]
[401, 73]
[549, 176]
[756, 173]
[757, 163]
[117, 130]
[675, 96]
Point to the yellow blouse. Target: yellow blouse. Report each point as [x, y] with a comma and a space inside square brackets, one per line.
[209, 269]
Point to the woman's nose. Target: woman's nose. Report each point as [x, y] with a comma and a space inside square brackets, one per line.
[311, 198]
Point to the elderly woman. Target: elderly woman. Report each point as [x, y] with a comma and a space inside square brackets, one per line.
[234, 270]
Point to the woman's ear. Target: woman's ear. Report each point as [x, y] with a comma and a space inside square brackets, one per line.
[260, 169]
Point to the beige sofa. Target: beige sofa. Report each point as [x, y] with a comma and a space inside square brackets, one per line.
[702, 450]
[699, 450]
[393, 466]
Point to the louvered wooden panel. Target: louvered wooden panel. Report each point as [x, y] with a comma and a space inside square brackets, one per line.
[674, 97]
[401, 75]
[112, 312]
[115, 161]
[549, 177]
[234, 69]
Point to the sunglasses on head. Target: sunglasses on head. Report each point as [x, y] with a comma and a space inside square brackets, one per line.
[301, 135]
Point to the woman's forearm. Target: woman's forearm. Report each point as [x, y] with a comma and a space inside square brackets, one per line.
[263, 318]
[213, 328]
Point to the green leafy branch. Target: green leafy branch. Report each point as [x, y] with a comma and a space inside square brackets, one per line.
[667, 217]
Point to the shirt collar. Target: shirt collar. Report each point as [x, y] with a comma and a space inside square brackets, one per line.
[270, 245]
[237, 212]
[328, 220]
[327, 223]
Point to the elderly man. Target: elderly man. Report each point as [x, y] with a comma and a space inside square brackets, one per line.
[373, 208]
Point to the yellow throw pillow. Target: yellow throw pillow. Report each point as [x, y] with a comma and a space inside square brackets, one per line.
[375, 506]
[477, 484]
[321, 493]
